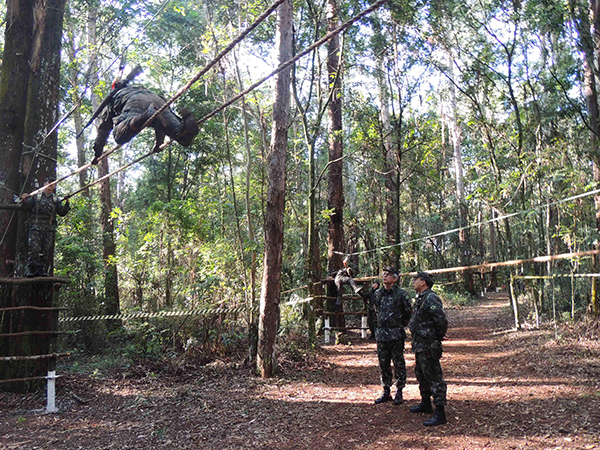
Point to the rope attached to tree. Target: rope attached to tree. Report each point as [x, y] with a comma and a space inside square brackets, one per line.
[210, 65]
[240, 37]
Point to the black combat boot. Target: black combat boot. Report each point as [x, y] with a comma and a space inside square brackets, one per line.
[385, 397]
[398, 400]
[189, 129]
[355, 286]
[438, 418]
[423, 407]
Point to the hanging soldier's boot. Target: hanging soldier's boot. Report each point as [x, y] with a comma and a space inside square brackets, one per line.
[160, 138]
[398, 400]
[438, 418]
[189, 129]
[40, 271]
[355, 286]
[385, 397]
[423, 407]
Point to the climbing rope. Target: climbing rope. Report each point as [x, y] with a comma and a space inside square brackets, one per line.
[473, 225]
[211, 64]
[241, 36]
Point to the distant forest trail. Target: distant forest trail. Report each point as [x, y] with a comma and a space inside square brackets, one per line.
[506, 390]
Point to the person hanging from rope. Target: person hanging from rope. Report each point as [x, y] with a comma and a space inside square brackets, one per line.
[41, 225]
[127, 108]
[345, 276]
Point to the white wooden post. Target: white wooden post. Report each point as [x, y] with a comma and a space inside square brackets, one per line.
[364, 326]
[327, 329]
[51, 392]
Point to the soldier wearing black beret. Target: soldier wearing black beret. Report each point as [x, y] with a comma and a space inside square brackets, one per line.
[428, 327]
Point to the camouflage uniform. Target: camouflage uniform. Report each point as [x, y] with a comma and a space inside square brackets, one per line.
[41, 224]
[393, 314]
[342, 277]
[428, 327]
[137, 104]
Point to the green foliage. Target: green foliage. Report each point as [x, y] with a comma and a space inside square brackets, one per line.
[508, 74]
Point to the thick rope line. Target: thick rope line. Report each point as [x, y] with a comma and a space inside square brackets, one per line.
[283, 66]
[477, 224]
[288, 63]
[210, 65]
[218, 58]
[79, 100]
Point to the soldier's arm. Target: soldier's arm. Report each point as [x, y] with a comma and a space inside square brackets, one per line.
[438, 316]
[63, 207]
[407, 313]
[102, 135]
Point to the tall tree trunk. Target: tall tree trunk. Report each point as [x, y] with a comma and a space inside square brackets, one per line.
[30, 87]
[13, 104]
[335, 189]
[392, 177]
[252, 303]
[74, 76]
[111, 280]
[589, 44]
[277, 159]
[252, 309]
[456, 136]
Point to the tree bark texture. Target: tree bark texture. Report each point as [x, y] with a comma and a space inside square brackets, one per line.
[589, 44]
[335, 188]
[276, 172]
[111, 279]
[29, 93]
[13, 104]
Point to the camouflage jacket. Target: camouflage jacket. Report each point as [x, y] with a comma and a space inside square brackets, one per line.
[393, 313]
[43, 208]
[428, 324]
[126, 102]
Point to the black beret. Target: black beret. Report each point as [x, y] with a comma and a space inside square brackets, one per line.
[424, 276]
[391, 270]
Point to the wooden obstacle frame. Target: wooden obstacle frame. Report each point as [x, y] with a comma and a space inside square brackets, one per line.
[47, 327]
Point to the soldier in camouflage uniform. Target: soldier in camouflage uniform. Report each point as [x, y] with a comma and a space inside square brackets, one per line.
[43, 208]
[130, 107]
[342, 277]
[428, 327]
[392, 306]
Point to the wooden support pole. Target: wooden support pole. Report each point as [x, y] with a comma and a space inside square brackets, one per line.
[52, 347]
[515, 304]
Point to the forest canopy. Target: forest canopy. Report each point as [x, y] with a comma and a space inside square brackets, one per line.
[469, 136]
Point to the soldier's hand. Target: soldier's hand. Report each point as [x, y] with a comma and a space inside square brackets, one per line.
[24, 196]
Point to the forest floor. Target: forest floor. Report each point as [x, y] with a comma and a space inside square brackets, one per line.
[536, 389]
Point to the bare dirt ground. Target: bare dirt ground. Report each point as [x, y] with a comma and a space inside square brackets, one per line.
[506, 390]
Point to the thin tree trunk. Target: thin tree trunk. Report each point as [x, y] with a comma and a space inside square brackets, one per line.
[456, 136]
[111, 279]
[335, 189]
[277, 159]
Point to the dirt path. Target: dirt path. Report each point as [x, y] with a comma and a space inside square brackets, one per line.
[506, 391]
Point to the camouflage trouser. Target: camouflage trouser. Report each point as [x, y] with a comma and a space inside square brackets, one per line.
[388, 351]
[168, 123]
[39, 241]
[429, 375]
